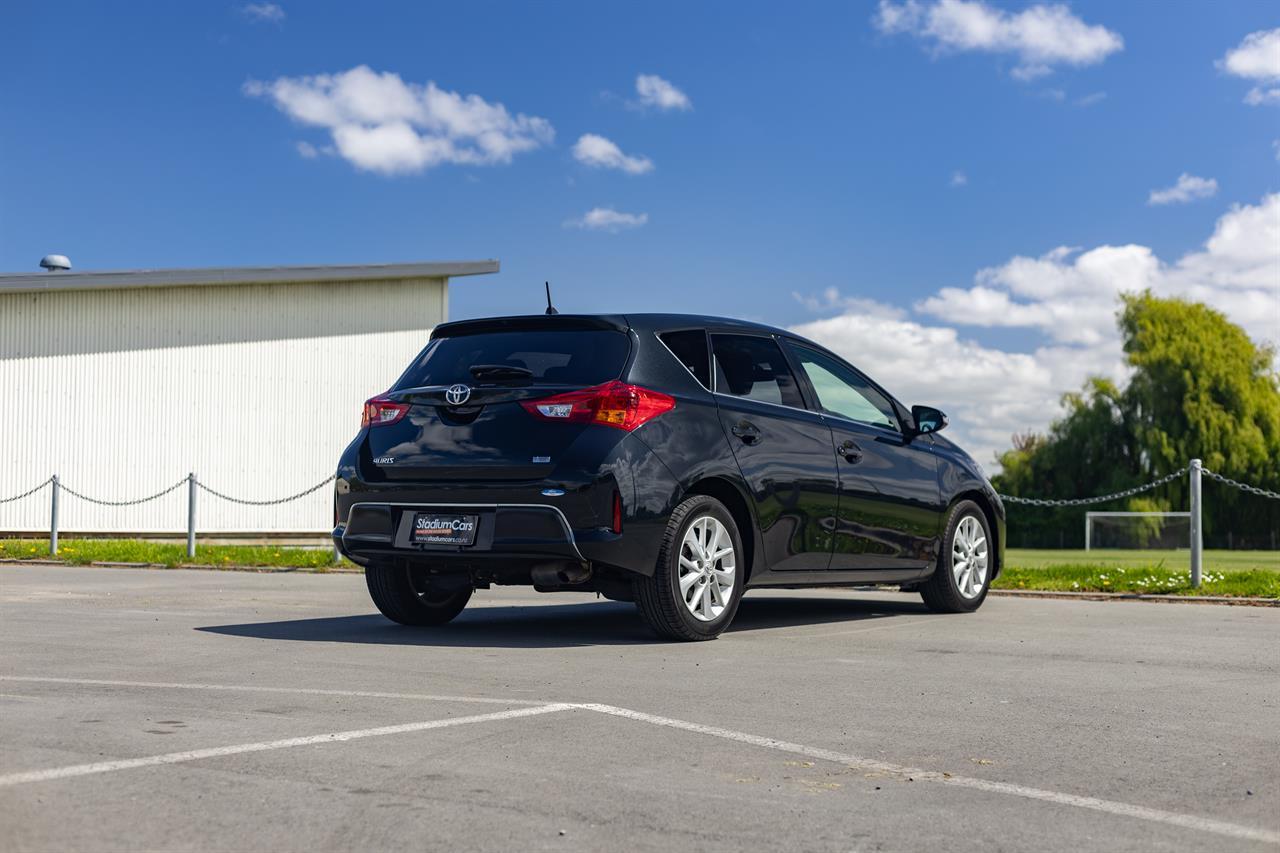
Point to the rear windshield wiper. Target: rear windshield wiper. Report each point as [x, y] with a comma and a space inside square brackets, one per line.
[500, 371]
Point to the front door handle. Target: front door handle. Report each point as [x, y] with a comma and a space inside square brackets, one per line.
[746, 431]
[850, 451]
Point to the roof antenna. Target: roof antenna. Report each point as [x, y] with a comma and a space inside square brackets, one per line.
[551, 309]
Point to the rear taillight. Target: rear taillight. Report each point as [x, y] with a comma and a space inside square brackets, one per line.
[616, 404]
[380, 411]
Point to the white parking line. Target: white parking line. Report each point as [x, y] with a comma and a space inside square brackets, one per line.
[1109, 806]
[254, 688]
[1185, 821]
[238, 749]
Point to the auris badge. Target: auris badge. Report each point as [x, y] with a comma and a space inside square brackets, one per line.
[457, 394]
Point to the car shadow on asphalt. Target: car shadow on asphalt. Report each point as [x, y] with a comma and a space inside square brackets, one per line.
[560, 625]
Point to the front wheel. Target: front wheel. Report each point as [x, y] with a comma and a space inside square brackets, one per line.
[698, 578]
[960, 582]
[403, 595]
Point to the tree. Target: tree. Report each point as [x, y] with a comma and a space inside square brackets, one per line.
[1200, 388]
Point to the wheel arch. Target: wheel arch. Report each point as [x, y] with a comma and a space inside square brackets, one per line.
[739, 506]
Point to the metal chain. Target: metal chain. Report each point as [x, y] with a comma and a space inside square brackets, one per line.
[302, 494]
[28, 493]
[1244, 487]
[1100, 499]
[159, 494]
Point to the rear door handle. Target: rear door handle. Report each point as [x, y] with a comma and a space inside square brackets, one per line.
[746, 431]
[850, 451]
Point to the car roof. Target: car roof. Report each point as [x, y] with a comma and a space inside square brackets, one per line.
[641, 322]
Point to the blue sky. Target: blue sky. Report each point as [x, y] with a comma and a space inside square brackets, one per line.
[887, 151]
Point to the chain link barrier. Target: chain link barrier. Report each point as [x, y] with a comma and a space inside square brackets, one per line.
[1101, 498]
[1244, 487]
[302, 494]
[135, 502]
[28, 493]
[62, 487]
[1013, 499]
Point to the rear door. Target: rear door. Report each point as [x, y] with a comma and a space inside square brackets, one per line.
[890, 503]
[479, 431]
[783, 451]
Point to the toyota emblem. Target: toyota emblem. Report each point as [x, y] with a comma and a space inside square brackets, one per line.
[457, 394]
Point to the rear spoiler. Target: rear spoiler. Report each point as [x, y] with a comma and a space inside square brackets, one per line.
[530, 323]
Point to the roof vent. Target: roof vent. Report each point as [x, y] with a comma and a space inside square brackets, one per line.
[53, 263]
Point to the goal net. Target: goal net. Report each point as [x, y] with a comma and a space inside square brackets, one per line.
[1162, 530]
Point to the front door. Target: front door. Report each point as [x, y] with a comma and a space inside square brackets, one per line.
[890, 510]
[783, 451]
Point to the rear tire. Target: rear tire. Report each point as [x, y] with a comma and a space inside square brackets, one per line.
[402, 595]
[698, 579]
[960, 582]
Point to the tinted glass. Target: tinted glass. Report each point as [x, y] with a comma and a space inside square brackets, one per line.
[691, 348]
[552, 357]
[844, 392]
[754, 368]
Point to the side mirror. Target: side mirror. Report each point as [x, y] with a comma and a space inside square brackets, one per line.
[928, 419]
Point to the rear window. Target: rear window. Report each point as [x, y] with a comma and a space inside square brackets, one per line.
[551, 357]
[754, 367]
[691, 348]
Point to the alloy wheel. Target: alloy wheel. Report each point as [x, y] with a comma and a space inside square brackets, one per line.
[707, 568]
[969, 557]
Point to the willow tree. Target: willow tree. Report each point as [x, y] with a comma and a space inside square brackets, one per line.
[1200, 387]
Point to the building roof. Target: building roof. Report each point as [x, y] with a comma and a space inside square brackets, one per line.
[121, 279]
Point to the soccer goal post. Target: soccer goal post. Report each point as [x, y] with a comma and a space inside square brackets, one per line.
[1136, 530]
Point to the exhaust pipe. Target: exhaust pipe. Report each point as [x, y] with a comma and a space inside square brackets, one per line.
[550, 577]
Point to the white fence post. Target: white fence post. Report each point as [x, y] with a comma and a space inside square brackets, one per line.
[191, 515]
[53, 518]
[1197, 529]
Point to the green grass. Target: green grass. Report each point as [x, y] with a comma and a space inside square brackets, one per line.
[81, 551]
[1180, 559]
[1230, 573]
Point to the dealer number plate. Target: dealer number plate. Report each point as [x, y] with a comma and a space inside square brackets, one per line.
[431, 528]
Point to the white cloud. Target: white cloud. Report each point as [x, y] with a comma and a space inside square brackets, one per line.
[269, 12]
[661, 94]
[959, 179]
[832, 300]
[1188, 188]
[988, 393]
[1275, 144]
[380, 123]
[1071, 297]
[1091, 99]
[307, 150]
[1258, 95]
[1257, 58]
[596, 151]
[608, 219]
[1040, 36]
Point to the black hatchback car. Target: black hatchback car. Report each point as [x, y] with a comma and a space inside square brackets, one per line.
[674, 461]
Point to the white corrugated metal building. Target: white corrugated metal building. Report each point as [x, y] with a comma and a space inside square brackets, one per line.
[253, 378]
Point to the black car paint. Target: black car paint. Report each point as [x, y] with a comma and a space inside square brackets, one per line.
[815, 517]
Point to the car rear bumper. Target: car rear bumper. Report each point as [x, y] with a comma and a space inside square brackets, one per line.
[510, 533]
[375, 528]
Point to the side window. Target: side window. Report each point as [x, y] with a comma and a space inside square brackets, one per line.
[691, 348]
[754, 368]
[844, 392]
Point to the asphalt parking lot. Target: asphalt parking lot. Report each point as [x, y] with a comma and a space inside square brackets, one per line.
[221, 711]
